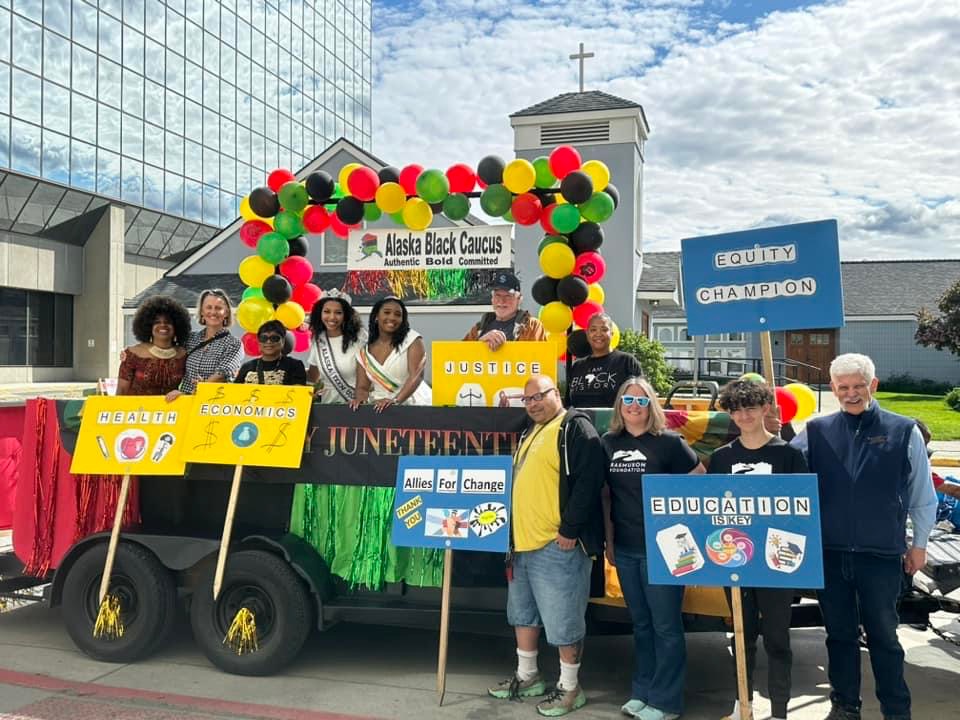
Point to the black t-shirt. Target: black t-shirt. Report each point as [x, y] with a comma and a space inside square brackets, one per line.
[628, 458]
[774, 458]
[594, 381]
[505, 326]
[283, 371]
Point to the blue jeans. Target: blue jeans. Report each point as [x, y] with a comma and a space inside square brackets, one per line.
[660, 648]
[862, 588]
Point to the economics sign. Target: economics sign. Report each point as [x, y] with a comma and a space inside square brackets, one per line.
[779, 278]
[458, 248]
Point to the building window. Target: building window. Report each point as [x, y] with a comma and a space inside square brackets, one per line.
[682, 335]
[36, 329]
[716, 337]
[735, 337]
[665, 334]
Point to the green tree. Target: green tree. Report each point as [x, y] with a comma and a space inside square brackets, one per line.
[651, 354]
[941, 331]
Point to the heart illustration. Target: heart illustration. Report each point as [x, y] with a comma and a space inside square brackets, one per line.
[132, 447]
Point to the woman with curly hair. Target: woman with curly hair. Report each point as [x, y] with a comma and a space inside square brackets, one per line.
[155, 365]
[338, 335]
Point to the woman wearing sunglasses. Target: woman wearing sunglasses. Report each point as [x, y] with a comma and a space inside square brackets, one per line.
[272, 367]
[638, 443]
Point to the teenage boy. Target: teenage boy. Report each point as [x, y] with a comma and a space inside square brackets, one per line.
[272, 367]
[766, 611]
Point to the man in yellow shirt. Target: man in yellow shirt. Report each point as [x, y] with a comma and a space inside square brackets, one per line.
[556, 526]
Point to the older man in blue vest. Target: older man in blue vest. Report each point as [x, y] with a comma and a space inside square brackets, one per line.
[873, 473]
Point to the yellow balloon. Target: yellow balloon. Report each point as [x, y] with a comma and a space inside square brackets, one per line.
[344, 174]
[417, 214]
[560, 340]
[519, 176]
[245, 211]
[556, 317]
[254, 270]
[596, 293]
[615, 336]
[806, 400]
[557, 261]
[253, 313]
[598, 172]
[291, 314]
[391, 197]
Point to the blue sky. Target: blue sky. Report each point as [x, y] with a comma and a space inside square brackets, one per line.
[762, 112]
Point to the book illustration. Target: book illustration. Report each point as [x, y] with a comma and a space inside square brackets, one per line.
[785, 550]
[679, 550]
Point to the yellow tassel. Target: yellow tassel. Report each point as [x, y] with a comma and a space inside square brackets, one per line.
[109, 625]
[242, 634]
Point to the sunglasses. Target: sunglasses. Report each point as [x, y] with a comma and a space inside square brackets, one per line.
[536, 397]
[641, 401]
[269, 338]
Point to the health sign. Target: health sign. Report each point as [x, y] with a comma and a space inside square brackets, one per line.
[142, 435]
[470, 374]
[733, 530]
[461, 503]
[778, 278]
[262, 425]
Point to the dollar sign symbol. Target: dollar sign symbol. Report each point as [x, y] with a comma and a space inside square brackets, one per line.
[210, 437]
[218, 395]
[279, 440]
[254, 397]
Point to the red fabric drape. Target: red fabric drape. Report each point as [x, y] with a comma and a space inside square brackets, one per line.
[11, 429]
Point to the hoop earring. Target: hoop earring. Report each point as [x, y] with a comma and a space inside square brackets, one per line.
[201, 320]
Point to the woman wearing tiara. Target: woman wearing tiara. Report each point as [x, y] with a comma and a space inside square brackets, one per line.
[338, 335]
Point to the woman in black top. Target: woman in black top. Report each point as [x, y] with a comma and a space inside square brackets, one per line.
[272, 367]
[594, 380]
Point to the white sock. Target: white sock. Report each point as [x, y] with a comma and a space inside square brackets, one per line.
[527, 664]
[568, 675]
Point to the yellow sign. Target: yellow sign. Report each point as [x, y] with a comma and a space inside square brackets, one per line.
[261, 425]
[140, 434]
[470, 374]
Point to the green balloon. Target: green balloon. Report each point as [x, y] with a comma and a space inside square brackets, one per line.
[273, 247]
[508, 216]
[549, 240]
[496, 200]
[337, 191]
[565, 218]
[598, 208]
[397, 217]
[433, 186]
[255, 293]
[456, 206]
[545, 177]
[293, 197]
[371, 212]
[288, 224]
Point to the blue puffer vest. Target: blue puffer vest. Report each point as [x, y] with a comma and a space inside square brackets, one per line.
[862, 463]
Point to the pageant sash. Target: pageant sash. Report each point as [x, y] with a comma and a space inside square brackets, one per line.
[328, 366]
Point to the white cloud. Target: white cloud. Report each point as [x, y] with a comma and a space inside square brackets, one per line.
[846, 110]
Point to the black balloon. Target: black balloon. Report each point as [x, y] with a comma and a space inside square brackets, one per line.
[587, 237]
[289, 341]
[389, 174]
[319, 186]
[350, 210]
[490, 169]
[264, 202]
[612, 191]
[577, 187]
[577, 343]
[572, 290]
[276, 289]
[544, 290]
[437, 208]
[299, 246]
[548, 199]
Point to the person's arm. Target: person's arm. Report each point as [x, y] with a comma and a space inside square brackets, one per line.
[607, 523]
[633, 366]
[801, 443]
[585, 477]
[535, 330]
[416, 361]
[363, 388]
[241, 377]
[686, 460]
[921, 501]
[473, 333]
[298, 374]
[126, 372]
[313, 363]
[231, 362]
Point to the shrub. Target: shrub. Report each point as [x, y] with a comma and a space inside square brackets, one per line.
[953, 399]
[906, 383]
[651, 355]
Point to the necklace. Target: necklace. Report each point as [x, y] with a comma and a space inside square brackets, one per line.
[163, 353]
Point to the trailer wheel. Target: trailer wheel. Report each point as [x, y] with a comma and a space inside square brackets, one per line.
[148, 602]
[267, 586]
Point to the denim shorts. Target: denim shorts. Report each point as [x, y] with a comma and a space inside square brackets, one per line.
[550, 588]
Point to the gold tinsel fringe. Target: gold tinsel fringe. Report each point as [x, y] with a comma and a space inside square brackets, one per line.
[109, 624]
[402, 280]
[242, 634]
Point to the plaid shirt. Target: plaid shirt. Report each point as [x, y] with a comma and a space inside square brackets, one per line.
[223, 355]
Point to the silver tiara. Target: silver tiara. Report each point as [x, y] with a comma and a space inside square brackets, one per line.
[338, 295]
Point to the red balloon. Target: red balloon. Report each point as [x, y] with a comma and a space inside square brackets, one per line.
[339, 227]
[545, 223]
[251, 231]
[307, 295]
[408, 178]
[461, 177]
[363, 183]
[278, 178]
[301, 340]
[563, 161]
[526, 209]
[251, 345]
[316, 219]
[787, 404]
[297, 270]
[590, 266]
[584, 311]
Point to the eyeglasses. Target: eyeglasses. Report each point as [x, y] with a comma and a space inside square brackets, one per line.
[640, 400]
[269, 338]
[536, 397]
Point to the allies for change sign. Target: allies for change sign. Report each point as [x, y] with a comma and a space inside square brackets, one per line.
[733, 530]
[778, 278]
[456, 248]
[460, 503]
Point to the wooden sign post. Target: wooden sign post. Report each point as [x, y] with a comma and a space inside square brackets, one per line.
[444, 625]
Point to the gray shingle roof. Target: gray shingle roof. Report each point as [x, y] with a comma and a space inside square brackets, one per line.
[661, 271]
[578, 102]
[895, 287]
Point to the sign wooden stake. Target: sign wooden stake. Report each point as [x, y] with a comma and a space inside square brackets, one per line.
[743, 692]
[114, 536]
[444, 625]
[227, 530]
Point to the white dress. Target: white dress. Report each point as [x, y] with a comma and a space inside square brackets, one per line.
[338, 369]
[388, 377]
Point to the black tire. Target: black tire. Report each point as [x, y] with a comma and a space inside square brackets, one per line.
[148, 602]
[266, 585]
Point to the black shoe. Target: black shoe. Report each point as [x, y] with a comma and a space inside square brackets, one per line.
[838, 713]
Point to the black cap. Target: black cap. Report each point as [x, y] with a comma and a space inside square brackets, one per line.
[505, 280]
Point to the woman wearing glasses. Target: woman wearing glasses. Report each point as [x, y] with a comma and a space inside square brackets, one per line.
[638, 443]
[213, 354]
[272, 367]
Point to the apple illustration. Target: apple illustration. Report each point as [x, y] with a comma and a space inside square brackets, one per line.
[131, 445]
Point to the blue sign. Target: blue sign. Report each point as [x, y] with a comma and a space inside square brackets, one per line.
[461, 503]
[727, 530]
[778, 278]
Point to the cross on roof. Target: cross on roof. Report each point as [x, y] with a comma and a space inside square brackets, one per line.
[581, 56]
